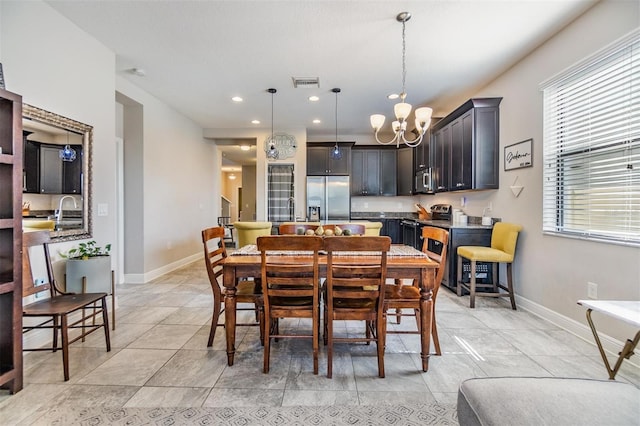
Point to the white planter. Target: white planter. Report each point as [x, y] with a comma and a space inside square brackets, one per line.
[96, 269]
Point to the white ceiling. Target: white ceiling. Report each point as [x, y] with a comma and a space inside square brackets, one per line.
[198, 54]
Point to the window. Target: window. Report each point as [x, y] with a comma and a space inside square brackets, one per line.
[591, 176]
[280, 201]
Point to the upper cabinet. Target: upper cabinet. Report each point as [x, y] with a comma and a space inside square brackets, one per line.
[320, 161]
[405, 169]
[45, 173]
[466, 147]
[421, 153]
[373, 171]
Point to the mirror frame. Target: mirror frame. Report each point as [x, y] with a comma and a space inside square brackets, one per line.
[39, 115]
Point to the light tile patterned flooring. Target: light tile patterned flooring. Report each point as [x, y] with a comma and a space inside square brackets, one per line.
[159, 358]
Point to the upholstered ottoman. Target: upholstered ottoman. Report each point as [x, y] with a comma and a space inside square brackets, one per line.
[547, 401]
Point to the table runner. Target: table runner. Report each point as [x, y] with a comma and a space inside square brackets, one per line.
[397, 250]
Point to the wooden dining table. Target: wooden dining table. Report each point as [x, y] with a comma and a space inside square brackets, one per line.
[403, 262]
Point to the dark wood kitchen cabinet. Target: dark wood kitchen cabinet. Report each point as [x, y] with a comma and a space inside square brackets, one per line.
[391, 228]
[466, 147]
[440, 168]
[463, 236]
[31, 166]
[373, 172]
[406, 171]
[45, 173]
[321, 163]
[422, 153]
[11, 181]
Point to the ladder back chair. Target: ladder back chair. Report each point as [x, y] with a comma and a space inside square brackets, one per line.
[290, 288]
[61, 309]
[355, 291]
[247, 291]
[398, 296]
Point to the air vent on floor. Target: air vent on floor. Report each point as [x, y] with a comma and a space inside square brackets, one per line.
[309, 82]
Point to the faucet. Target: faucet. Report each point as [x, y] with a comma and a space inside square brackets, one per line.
[58, 212]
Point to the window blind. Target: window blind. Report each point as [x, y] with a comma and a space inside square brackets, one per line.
[591, 153]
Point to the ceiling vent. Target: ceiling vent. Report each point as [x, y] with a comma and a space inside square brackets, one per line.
[306, 82]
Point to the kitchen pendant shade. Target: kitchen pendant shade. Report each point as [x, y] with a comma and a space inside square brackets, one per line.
[377, 121]
[424, 114]
[402, 110]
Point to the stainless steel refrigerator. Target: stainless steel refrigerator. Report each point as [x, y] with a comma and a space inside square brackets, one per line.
[332, 195]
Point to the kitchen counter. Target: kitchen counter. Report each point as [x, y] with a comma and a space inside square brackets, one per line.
[446, 224]
[382, 215]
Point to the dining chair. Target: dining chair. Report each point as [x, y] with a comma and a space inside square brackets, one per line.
[292, 228]
[63, 311]
[354, 229]
[398, 296]
[504, 237]
[247, 291]
[290, 289]
[355, 290]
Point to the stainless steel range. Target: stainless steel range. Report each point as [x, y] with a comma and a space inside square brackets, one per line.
[441, 212]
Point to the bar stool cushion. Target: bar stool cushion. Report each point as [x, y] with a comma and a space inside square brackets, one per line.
[547, 401]
[484, 254]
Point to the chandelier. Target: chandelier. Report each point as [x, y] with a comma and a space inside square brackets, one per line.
[272, 151]
[336, 154]
[403, 109]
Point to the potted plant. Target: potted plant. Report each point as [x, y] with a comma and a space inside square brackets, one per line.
[91, 261]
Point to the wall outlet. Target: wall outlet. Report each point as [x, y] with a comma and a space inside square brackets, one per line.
[366, 205]
[463, 201]
[169, 245]
[592, 290]
[103, 209]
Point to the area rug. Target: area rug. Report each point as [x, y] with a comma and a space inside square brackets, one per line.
[432, 414]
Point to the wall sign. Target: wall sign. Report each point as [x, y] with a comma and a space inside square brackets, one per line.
[518, 155]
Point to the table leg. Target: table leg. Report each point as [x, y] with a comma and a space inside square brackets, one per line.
[426, 314]
[230, 302]
[626, 352]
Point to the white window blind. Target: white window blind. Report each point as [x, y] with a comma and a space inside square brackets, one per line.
[591, 177]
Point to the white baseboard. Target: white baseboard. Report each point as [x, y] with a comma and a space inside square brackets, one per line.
[582, 330]
[152, 275]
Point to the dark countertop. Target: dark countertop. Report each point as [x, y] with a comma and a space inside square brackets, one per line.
[383, 215]
[448, 225]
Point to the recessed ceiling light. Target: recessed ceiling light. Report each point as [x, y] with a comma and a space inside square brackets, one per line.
[314, 98]
[232, 176]
[138, 71]
[316, 121]
[245, 147]
[255, 121]
[236, 99]
[393, 96]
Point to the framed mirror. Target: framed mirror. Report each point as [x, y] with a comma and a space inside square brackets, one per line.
[56, 174]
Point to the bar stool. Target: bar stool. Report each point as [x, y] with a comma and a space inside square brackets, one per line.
[502, 250]
[248, 232]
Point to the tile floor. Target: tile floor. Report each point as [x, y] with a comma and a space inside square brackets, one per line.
[159, 358]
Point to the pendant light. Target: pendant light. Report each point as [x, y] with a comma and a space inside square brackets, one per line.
[272, 151]
[403, 109]
[67, 153]
[336, 154]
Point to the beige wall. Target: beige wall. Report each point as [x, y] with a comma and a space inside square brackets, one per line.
[552, 272]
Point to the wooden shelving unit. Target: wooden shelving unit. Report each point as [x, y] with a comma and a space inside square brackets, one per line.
[10, 241]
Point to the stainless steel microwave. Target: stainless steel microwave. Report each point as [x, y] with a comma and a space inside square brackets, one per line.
[423, 182]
